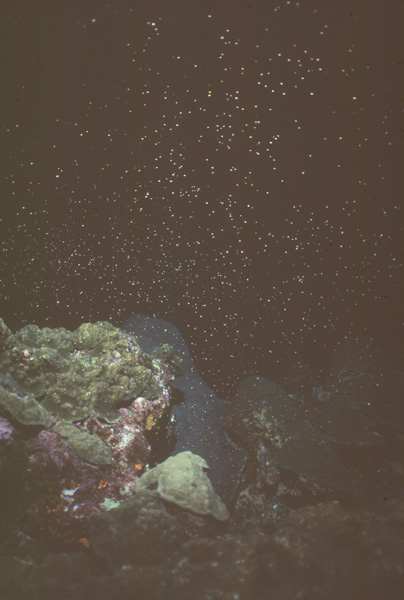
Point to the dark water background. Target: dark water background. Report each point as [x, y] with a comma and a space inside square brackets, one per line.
[234, 168]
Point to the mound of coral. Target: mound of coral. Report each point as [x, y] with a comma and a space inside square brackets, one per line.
[78, 408]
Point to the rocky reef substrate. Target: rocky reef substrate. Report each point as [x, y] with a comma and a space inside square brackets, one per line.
[105, 490]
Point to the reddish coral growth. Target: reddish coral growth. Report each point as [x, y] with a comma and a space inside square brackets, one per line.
[7, 431]
[73, 489]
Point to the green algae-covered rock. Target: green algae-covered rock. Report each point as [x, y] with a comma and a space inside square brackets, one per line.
[89, 447]
[182, 480]
[94, 370]
[23, 408]
[5, 335]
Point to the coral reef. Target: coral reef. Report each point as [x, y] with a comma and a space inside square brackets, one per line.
[94, 370]
[92, 509]
[80, 406]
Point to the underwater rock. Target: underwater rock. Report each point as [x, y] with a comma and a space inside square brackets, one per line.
[367, 389]
[362, 404]
[73, 529]
[315, 461]
[89, 447]
[23, 408]
[278, 434]
[322, 437]
[323, 551]
[199, 416]
[182, 480]
[255, 429]
[140, 531]
[256, 392]
[343, 553]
